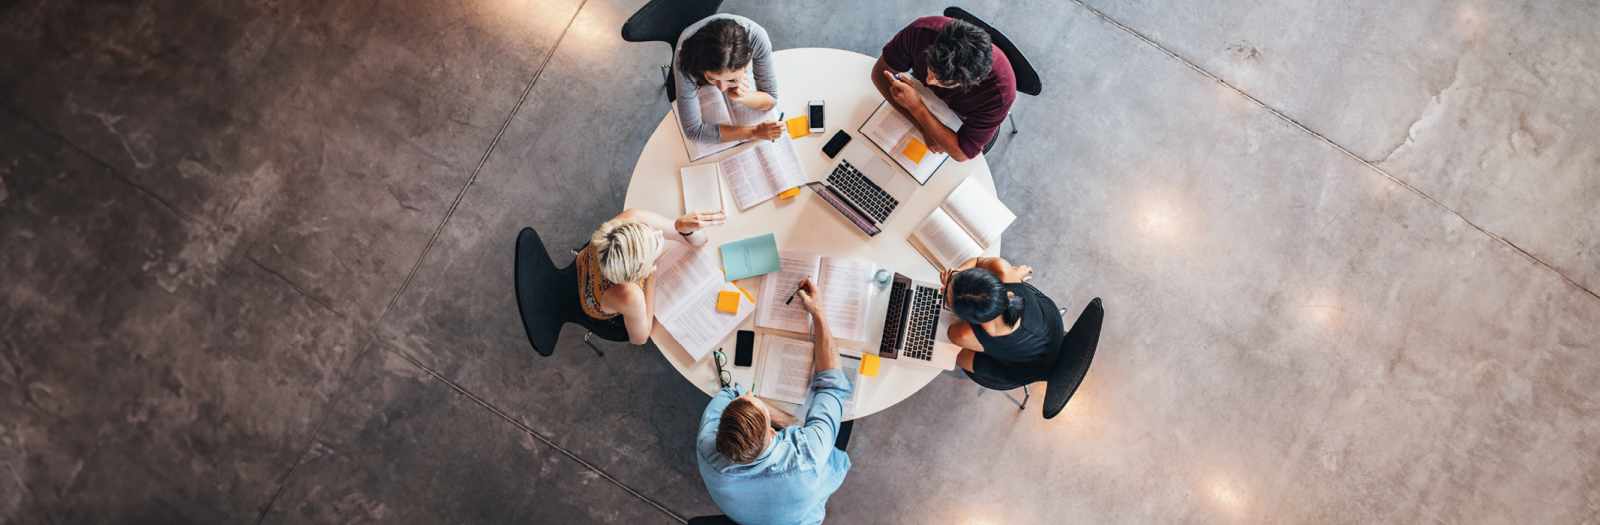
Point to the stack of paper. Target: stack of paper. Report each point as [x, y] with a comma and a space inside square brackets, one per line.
[687, 291]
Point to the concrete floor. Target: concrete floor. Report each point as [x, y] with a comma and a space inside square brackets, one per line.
[256, 266]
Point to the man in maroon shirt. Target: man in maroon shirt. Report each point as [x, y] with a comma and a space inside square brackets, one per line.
[957, 61]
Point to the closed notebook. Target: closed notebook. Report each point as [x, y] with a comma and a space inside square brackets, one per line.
[750, 257]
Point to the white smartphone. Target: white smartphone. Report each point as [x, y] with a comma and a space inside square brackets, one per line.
[815, 118]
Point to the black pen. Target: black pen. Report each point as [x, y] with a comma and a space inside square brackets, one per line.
[780, 125]
[796, 292]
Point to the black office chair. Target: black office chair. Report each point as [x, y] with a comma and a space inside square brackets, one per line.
[712, 520]
[547, 298]
[1077, 350]
[1027, 78]
[664, 21]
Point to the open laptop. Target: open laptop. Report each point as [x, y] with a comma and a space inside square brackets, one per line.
[864, 187]
[915, 328]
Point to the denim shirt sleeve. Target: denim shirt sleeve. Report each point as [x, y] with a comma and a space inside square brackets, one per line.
[821, 426]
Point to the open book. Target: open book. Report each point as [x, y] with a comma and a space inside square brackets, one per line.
[686, 299]
[714, 109]
[969, 222]
[846, 286]
[764, 171]
[786, 372]
[893, 133]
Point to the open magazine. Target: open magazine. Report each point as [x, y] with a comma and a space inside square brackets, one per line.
[968, 222]
[846, 286]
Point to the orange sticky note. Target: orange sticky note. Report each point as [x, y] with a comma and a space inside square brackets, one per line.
[869, 365]
[798, 127]
[915, 150]
[789, 192]
[728, 301]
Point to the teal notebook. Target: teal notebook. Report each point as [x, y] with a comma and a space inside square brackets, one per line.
[750, 257]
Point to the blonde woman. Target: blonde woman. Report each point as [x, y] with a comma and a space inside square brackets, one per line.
[616, 271]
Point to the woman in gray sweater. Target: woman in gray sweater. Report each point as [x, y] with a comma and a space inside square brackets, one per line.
[718, 52]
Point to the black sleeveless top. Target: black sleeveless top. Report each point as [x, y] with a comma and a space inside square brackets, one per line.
[1029, 351]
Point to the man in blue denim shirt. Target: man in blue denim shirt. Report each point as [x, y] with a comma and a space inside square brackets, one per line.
[760, 476]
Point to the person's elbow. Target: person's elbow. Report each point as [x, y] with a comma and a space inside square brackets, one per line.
[959, 156]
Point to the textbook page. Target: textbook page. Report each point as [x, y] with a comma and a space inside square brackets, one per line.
[777, 287]
[846, 286]
[702, 188]
[686, 299]
[982, 215]
[764, 171]
[846, 296]
[785, 369]
[850, 364]
[891, 131]
[944, 242]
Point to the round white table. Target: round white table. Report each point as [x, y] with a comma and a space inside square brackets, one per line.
[805, 222]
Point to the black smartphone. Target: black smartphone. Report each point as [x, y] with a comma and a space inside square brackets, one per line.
[836, 143]
[815, 118]
[743, 348]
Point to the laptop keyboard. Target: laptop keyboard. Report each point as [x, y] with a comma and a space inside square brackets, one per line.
[924, 321]
[891, 338]
[866, 194]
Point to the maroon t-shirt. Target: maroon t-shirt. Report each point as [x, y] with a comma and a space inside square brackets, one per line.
[982, 107]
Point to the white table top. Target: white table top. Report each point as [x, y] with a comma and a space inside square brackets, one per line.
[806, 223]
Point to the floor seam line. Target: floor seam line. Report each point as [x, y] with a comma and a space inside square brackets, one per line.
[1341, 149]
[463, 391]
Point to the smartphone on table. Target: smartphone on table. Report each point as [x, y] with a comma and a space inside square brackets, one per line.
[815, 118]
[743, 348]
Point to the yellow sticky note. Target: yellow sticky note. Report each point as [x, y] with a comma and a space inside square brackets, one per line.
[728, 301]
[915, 150]
[798, 127]
[789, 192]
[869, 365]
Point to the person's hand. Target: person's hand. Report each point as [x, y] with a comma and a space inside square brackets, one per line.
[696, 220]
[769, 130]
[1024, 273]
[902, 93]
[944, 277]
[740, 90]
[934, 147]
[810, 297]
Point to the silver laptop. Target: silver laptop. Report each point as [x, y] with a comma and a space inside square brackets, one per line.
[914, 328]
[864, 187]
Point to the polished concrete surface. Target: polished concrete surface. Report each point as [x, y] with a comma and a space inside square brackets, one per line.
[256, 266]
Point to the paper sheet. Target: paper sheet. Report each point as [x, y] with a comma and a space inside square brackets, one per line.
[785, 369]
[777, 287]
[702, 188]
[846, 286]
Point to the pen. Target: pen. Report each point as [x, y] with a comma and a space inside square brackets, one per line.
[796, 291]
[780, 122]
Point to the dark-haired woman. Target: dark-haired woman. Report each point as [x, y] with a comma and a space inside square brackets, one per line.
[717, 53]
[1008, 329]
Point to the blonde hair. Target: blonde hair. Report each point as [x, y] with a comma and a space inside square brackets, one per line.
[625, 249]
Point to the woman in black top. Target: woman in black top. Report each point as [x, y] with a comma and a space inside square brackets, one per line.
[1009, 330]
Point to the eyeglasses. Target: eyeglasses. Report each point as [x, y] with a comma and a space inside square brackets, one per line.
[721, 360]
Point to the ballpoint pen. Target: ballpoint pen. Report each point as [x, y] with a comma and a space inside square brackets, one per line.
[780, 122]
[796, 291]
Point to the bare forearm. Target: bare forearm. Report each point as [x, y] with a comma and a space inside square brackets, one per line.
[937, 133]
[826, 355]
[756, 100]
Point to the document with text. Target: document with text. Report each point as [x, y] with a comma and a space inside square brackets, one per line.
[702, 188]
[845, 284]
[686, 299]
[968, 222]
[850, 364]
[764, 171]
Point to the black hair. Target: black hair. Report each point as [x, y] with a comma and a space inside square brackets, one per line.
[721, 45]
[962, 54]
[978, 296]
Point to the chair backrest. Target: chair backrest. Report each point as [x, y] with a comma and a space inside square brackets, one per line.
[712, 520]
[1027, 78]
[544, 293]
[665, 20]
[1077, 350]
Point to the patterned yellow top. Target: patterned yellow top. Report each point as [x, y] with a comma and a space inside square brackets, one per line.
[593, 284]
